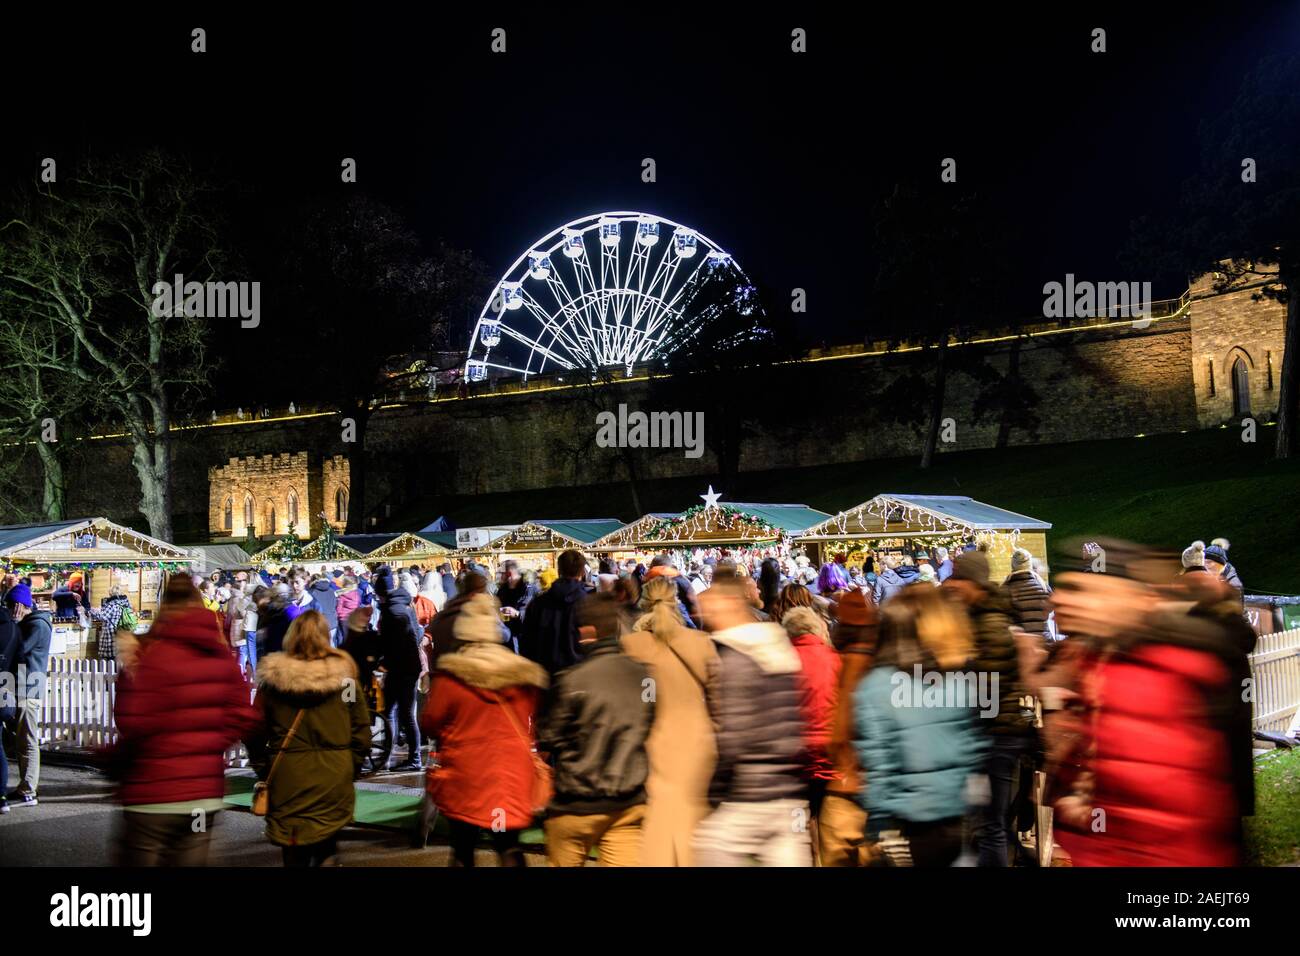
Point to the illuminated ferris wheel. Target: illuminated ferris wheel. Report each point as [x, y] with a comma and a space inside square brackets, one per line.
[613, 289]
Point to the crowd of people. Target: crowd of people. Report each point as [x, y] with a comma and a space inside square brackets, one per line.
[909, 711]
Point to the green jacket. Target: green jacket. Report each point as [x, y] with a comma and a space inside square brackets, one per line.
[311, 792]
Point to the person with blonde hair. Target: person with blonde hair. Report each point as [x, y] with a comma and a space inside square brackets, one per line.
[680, 747]
[916, 752]
[317, 733]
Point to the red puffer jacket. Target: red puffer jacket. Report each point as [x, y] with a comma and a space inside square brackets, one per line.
[817, 681]
[1161, 768]
[180, 703]
[485, 764]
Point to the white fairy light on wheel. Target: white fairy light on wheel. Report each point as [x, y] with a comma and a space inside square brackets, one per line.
[615, 297]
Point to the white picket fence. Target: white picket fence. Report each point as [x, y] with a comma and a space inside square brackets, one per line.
[77, 711]
[1275, 667]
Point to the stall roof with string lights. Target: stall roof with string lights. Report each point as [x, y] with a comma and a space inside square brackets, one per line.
[547, 537]
[712, 524]
[322, 550]
[405, 547]
[900, 522]
[103, 555]
[81, 543]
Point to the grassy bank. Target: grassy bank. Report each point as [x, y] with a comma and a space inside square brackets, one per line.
[1165, 490]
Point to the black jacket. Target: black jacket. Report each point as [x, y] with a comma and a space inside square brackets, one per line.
[400, 636]
[9, 638]
[327, 599]
[757, 720]
[597, 722]
[518, 597]
[1029, 602]
[550, 632]
[996, 653]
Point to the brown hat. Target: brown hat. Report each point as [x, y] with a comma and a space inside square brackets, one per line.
[855, 608]
[972, 566]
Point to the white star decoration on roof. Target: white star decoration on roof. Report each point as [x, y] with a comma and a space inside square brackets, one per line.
[711, 499]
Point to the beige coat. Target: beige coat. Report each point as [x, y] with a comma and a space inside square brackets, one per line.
[681, 748]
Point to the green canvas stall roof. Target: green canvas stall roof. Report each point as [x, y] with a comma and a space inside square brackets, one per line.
[918, 515]
[790, 518]
[445, 538]
[584, 530]
[365, 543]
[974, 513]
[14, 536]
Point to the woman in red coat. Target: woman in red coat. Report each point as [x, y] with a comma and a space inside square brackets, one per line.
[181, 701]
[1156, 784]
[480, 710]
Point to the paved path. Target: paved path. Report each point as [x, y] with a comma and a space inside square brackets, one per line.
[76, 820]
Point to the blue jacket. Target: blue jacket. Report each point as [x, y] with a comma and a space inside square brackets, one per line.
[916, 759]
[892, 580]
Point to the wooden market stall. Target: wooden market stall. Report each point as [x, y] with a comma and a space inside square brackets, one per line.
[910, 523]
[737, 528]
[323, 553]
[100, 554]
[536, 544]
[406, 549]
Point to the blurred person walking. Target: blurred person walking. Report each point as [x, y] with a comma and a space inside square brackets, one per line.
[316, 734]
[841, 826]
[918, 753]
[550, 632]
[480, 710]
[597, 722]
[758, 789]
[1162, 746]
[680, 747]
[1011, 755]
[818, 678]
[180, 703]
[441, 631]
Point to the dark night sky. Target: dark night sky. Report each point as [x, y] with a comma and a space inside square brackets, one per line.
[779, 158]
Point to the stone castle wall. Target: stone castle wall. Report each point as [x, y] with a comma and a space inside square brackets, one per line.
[1104, 382]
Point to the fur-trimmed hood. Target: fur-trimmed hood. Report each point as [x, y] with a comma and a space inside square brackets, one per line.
[799, 621]
[765, 644]
[293, 675]
[492, 667]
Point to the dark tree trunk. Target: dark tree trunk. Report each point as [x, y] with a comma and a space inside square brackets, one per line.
[1288, 400]
[936, 405]
[54, 498]
[1011, 394]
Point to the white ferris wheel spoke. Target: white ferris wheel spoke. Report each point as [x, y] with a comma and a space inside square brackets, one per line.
[644, 297]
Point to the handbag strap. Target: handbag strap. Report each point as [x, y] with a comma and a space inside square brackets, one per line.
[514, 722]
[284, 743]
[690, 670]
